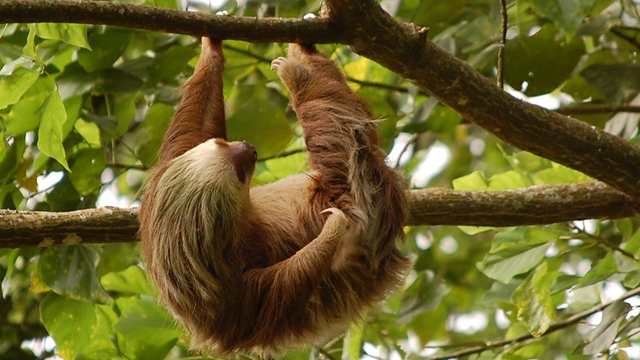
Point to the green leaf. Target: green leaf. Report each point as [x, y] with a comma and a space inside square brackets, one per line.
[507, 263]
[156, 122]
[508, 180]
[559, 174]
[352, 344]
[147, 328]
[50, 133]
[262, 125]
[74, 34]
[69, 322]
[70, 270]
[618, 83]
[107, 45]
[102, 345]
[86, 169]
[566, 14]
[423, 295]
[13, 86]
[529, 58]
[601, 271]
[133, 280]
[26, 114]
[533, 300]
[604, 335]
[473, 181]
[114, 81]
[168, 64]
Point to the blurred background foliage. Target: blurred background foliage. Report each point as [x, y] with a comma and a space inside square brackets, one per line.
[83, 110]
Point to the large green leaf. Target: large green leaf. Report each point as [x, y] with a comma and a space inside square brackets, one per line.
[503, 265]
[26, 113]
[260, 124]
[131, 281]
[107, 44]
[74, 34]
[70, 323]
[542, 60]
[70, 270]
[13, 86]
[50, 134]
[533, 300]
[86, 169]
[147, 329]
[618, 83]
[566, 14]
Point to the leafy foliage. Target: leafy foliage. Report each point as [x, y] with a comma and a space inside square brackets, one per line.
[83, 110]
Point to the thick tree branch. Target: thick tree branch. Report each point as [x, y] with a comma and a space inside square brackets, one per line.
[405, 49]
[531, 206]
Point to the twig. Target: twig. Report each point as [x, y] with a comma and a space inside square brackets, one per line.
[503, 42]
[528, 337]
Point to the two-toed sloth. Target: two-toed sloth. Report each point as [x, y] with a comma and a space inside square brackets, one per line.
[282, 265]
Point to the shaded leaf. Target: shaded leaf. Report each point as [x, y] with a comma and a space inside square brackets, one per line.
[604, 335]
[618, 83]
[70, 270]
[148, 329]
[527, 60]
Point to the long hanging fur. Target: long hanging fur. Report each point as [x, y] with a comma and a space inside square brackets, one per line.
[283, 265]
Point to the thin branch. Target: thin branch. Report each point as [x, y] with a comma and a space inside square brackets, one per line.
[531, 206]
[573, 320]
[587, 109]
[630, 39]
[503, 42]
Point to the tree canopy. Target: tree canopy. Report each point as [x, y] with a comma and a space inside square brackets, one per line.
[524, 221]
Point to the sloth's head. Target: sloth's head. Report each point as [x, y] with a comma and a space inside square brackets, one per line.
[221, 159]
[216, 172]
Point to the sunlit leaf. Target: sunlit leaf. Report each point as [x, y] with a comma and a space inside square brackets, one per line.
[50, 133]
[13, 86]
[505, 264]
[132, 281]
[74, 34]
[70, 323]
[533, 300]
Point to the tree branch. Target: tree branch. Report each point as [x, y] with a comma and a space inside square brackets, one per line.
[531, 206]
[404, 49]
[248, 29]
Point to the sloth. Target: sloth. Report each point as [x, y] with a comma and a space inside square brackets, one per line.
[289, 264]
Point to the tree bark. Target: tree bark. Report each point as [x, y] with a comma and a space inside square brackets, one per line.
[531, 206]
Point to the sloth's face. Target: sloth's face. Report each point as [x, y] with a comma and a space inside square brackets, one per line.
[219, 158]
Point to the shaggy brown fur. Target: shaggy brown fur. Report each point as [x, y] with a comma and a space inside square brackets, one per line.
[282, 265]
